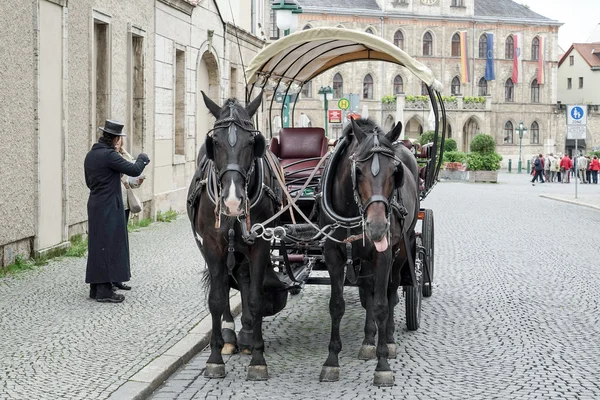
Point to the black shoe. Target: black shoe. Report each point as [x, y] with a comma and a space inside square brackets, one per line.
[92, 291]
[121, 286]
[113, 298]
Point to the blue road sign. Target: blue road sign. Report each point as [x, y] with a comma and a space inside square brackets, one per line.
[577, 113]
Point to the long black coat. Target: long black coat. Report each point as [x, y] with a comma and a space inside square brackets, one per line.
[108, 247]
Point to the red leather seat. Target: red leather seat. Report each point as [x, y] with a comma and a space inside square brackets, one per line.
[297, 144]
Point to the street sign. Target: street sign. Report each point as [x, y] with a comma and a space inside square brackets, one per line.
[577, 115]
[335, 116]
[344, 103]
[576, 132]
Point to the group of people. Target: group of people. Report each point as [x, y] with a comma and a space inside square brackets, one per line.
[107, 167]
[560, 168]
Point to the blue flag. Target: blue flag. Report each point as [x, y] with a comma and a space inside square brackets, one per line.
[490, 74]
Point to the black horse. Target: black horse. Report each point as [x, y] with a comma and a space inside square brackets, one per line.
[370, 187]
[231, 190]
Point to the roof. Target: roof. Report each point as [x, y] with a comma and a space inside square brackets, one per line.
[505, 9]
[589, 51]
[343, 4]
[303, 55]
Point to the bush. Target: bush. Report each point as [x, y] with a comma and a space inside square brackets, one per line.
[388, 99]
[483, 162]
[483, 144]
[450, 145]
[594, 153]
[426, 137]
[454, 156]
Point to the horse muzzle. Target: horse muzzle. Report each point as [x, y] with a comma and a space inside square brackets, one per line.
[378, 232]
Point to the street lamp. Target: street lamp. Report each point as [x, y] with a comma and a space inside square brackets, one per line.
[327, 93]
[522, 129]
[286, 15]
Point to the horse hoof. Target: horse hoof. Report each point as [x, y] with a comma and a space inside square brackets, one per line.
[392, 350]
[246, 352]
[330, 374]
[383, 378]
[214, 371]
[257, 373]
[367, 352]
[229, 348]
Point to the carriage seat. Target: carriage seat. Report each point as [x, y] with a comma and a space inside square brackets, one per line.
[296, 144]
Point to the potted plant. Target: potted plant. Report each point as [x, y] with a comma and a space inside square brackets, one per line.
[483, 162]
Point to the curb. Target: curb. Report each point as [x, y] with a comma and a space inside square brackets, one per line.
[576, 202]
[145, 381]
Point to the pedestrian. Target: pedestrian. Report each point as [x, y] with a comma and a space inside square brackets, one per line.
[588, 171]
[547, 166]
[108, 248]
[595, 166]
[565, 168]
[556, 168]
[538, 166]
[582, 164]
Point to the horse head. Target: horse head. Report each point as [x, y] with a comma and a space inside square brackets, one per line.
[376, 174]
[233, 144]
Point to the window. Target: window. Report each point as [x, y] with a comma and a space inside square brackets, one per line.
[534, 133]
[180, 102]
[102, 73]
[398, 85]
[427, 44]
[449, 132]
[424, 91]
[306, 27]
[580, 82]
[136, 90]
[535, 49]
[455, 86]
[508, 132]
[274, 29]
[509, 48]
[338, 86]
[509, 91]
[399, 40]
[483, 88]
[370, 31]
[569, 83]
[535, 91]
[307, 90]
[483, 46]
[457, 3]
[571, 60]
[456, 45]
[368, 87]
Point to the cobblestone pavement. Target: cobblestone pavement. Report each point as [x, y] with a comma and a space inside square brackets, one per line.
[56, 343]
[514, 313]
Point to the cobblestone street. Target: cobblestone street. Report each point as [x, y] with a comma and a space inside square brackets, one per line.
[514, 312]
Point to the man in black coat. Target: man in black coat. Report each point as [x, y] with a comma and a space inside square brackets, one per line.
[108, 247]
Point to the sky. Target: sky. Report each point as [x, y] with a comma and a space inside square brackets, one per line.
[579, 17]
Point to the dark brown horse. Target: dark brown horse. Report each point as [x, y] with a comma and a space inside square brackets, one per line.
[370, 187]
[231, 191]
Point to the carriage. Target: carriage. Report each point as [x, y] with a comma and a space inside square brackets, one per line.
[270, 222]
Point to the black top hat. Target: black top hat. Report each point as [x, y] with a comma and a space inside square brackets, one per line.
[113, 127]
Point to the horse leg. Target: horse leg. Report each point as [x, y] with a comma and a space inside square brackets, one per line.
[393, 301]
[217, 302]
[365, 290]
[382, 268]
[335, 264]
[245, 334]
[228, 330]
[257, 371]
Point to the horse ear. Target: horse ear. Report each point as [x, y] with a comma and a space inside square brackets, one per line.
[394, 134]
[260, 146]
[253, 106]
[399, 176]
[209, 144]
[360, 135]
[214, 109]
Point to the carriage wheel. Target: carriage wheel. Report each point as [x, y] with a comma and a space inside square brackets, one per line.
[414, 294]
[428, 242]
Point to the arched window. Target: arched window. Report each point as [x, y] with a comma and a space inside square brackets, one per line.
[427, 44]
[483, 88]
[455, 86]
[534, 133]
[368, 87]
[509, 91]
[535, 49]
[483, 46]
[449, 132]
[307, 26]
[338, 86]
[535, 91]
[399, 39]
[456, 45]
[424, 91]
[508, 132]
[509, 48]
[369, 30]
[398, 85]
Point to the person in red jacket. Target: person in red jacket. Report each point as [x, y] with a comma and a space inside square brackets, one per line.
[565, 168]
[595, 167]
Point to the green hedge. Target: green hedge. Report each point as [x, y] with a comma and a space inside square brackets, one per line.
[484, 162]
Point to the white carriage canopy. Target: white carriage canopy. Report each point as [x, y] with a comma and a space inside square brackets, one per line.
[303, 55]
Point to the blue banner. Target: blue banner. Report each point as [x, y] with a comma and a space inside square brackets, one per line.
[490, 74]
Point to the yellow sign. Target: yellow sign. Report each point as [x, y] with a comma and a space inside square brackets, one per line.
[344, 104]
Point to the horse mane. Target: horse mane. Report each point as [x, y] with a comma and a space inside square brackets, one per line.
[236, 109]
[370, 128]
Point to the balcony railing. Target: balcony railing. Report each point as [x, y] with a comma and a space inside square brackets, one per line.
[451, 103]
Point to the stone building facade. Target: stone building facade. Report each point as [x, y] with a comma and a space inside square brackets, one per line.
[69, 65]
[427, 30]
